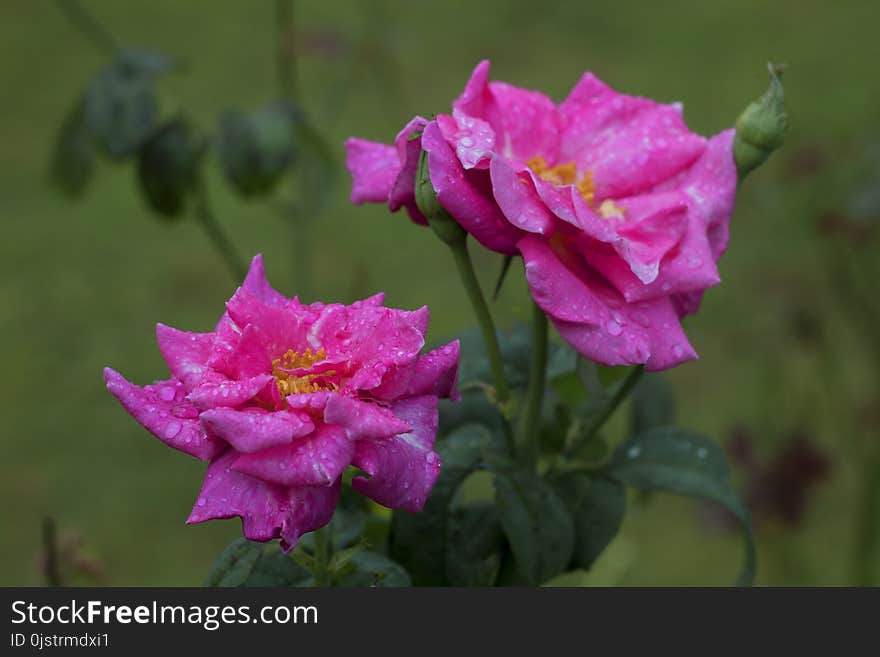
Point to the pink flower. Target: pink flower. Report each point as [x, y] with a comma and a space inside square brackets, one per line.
[282, 397]
[618, 210]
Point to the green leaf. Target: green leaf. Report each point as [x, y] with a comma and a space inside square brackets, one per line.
[276, 569]
[168, 167]
[247, 563]
[373, 569]
[345, 529]
[418, 540]
[120, 107]
[597, 505]
[73, 159]
[255, 149]
[679, 461]
[473, 546]
[653, 404]
[535, 520]
[235, 563]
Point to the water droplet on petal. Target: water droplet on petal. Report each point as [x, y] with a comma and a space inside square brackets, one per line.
[677, 350]
[172, 429]
[613, 327]
[166, 393]
[202, 501]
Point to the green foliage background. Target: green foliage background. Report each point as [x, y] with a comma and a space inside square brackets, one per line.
[82, 284]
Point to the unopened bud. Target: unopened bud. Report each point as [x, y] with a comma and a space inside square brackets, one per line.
[442, 223]
[760, 129]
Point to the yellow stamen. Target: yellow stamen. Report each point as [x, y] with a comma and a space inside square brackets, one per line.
[566, 174]
[290, 384]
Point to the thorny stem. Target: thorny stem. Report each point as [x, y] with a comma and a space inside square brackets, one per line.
[527, 437]
[215, 234]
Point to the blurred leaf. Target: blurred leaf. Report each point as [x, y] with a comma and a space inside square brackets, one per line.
[597, 505]
[235, 563]
[653, 404]
[320, 175]
[276, 569]
[255, 149]
[168, 166]
[120, 106]
[679, 461]
[505, 267]
[535, 521]
[345, 529]
[419, 540]
[515, 345]
[373, 569]
[474, 543]
[73, 159]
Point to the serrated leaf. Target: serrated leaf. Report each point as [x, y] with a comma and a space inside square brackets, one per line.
[474, 540]
[597, 505]
[653, 404]
[684, 462]
[73, 159]
[235, 563]
[373, 569]
[536, 522]
[418, 540]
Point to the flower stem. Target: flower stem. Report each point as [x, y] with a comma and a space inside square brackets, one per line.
[320, 566]
[867, 540]
[88, 25]
[622, 393]
[215, 234]
[527, 437]
[484, 317]
[287, 76]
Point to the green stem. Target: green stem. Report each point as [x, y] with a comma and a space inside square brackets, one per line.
[50, 546]
[527, 438]
[287, 77]
[484, 317]
[320, 566]
[866, 554]
[622, 393]
[88, 25]
[215, 234]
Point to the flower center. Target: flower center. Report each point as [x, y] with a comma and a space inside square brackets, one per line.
[566, 174]
[289, 375]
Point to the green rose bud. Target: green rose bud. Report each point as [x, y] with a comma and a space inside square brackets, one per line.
[442, 223]
[760, 129]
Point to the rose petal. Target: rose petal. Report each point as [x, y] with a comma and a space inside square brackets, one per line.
[254, 429]
[162, 409]
[373, 167]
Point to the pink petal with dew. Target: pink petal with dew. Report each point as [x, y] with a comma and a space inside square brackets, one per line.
[436, 373]
[468, 198]
[257, 284]
[402, 192]
[280, 328]
[517, 197]
[317, 459]
[267, 511]
[255, 429]
[373, 167]
[595, 319]
[363, 420]
[186, 353]
[473, 139]
[402, 469]
[228, 393]
[162, 409]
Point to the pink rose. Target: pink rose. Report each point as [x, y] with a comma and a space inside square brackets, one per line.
[618, 210]
[282, 397]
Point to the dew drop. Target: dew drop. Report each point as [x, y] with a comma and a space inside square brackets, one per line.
[702, 453]
[172, 429]
[166, 393]
[202, 501]
[613, 327]
[467, 142]
[633, 452]
[677, 350]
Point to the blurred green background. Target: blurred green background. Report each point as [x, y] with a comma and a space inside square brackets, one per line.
[83, 283]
